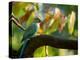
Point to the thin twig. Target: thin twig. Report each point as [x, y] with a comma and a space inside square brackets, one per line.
[16, 21]
[46, 51]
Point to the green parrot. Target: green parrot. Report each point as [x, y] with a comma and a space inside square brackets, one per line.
[29, 32]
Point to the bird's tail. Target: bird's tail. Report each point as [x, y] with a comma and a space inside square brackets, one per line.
[23, 47]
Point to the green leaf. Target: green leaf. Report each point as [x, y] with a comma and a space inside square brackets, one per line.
[17, 35]
[71, 22]
[53, 51]
[15, 43]
[30, 20]
[18, 8]
[53, 27]
[40, 52]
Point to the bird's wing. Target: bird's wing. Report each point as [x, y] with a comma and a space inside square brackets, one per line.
[30, 31]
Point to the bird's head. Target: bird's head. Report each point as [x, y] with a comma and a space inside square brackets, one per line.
[37, 18]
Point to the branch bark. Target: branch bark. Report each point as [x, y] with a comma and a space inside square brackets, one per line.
[37, 41]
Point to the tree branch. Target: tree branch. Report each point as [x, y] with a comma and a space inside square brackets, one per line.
[37, 41]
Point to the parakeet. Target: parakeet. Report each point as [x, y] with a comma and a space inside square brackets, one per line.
[29, 32]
